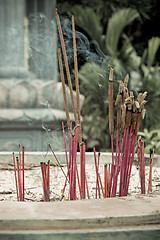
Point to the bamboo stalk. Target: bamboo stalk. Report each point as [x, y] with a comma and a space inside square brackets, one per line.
[67, 67]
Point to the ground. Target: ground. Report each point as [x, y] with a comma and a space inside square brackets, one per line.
[34, 190]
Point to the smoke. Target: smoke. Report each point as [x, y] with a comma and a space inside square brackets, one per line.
[42, 46]
[87, 51]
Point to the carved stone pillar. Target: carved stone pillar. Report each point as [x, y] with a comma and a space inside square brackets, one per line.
[12, 14]
[42, 39]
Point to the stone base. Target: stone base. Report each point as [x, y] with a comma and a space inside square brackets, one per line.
[32, 128]
[125, 218]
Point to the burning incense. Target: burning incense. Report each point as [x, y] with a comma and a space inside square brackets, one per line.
[66, 66]
[76, 78]
[111, 119]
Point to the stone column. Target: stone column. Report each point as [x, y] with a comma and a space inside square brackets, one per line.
[42, 39]
[12, 14]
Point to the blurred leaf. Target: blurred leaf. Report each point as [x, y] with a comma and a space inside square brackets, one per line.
[116, 24]
[153, 45]
[88, 20]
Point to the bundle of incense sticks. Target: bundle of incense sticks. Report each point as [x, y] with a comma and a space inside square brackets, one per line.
[45, 169]
[107, 180]
[75, 133]
[19, 174]
[129, 115]
[72, 176]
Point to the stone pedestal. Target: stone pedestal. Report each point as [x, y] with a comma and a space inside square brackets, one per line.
[31, 115]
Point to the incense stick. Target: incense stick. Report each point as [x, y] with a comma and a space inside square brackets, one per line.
[150, 171]
[17, 189]
[82, 169]
[67, 67]
[64, 89]
[76, 78]
[23, 171]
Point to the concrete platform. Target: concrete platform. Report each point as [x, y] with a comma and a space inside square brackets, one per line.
[114, 218]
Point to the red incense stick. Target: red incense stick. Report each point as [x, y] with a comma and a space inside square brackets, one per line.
[82, 169]
[19, 180]
[23, 170]
[150, 171]
[17, 190]
[58, 162]
[97, 176]
[64, 138]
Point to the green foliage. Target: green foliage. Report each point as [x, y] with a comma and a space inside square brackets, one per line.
[112, 25]
[151, 139]
[116, 24]
[95, 118]
[150, 82]
[89, 21]
[153, 45]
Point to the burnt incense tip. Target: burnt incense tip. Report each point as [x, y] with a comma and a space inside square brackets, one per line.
[111, 74]
[126, 80]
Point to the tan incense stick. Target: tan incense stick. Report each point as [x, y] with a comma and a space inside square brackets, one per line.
[63, 87]
[76, 78]
[110, 97]
[67, 67]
